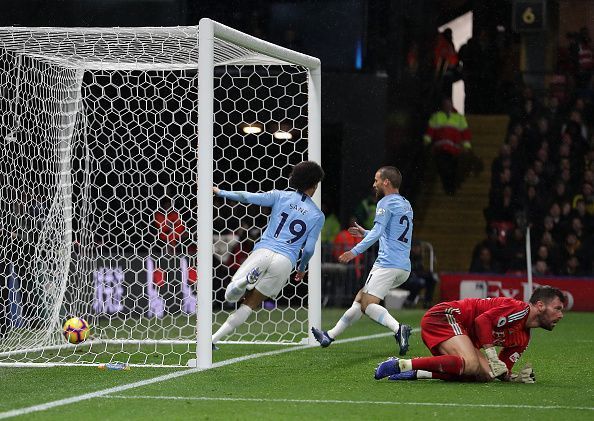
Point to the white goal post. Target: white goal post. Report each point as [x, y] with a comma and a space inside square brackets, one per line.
[111, 141]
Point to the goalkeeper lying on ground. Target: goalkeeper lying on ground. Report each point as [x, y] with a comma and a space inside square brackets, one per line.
[456, 331]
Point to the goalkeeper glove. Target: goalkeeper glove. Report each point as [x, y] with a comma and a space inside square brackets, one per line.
[524, 376]
[497, 366]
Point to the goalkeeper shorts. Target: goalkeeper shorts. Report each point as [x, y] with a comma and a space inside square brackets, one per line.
[440, 323]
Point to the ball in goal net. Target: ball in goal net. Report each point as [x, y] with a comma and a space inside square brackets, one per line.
[111, 141]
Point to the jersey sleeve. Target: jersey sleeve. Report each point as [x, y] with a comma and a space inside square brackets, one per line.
[511, 355]
[310, 244]
[262, 199]
[500, 316]
[382, 216]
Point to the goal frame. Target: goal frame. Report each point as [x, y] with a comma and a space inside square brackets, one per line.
[208, 31]
[209, 39]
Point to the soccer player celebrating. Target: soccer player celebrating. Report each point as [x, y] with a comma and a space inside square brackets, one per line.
[455, 332]
[393, 226]
[295, 224]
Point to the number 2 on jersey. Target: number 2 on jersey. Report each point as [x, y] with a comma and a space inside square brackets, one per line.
[404, 221]
[297, 227]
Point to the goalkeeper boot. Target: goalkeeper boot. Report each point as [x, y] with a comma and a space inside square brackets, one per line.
[322, 337]
[404, 375]
[404, 332]
[387, 368]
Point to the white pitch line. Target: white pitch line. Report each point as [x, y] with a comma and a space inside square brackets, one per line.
[165, 377]
[264, 400]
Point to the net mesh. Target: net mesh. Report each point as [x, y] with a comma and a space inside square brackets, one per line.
[98, 195]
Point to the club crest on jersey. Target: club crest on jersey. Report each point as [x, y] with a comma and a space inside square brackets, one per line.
[514, 357]
[253, 275]
[501, 321]
[380, 211]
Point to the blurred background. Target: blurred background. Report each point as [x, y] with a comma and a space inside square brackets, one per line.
[485, 106]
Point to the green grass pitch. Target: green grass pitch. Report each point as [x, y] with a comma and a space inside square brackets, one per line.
[315, 383]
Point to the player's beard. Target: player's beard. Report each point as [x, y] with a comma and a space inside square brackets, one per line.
[379, 194]
[545, 322]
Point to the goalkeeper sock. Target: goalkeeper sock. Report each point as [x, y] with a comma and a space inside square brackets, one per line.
[348, 318]
[382, 316]
[232, 322]
[449, 364]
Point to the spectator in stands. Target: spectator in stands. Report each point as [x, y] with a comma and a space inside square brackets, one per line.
[449, 136]
[558, 222]
[502, 208]
[543, 254]
[544, 169]
[516, 251]
[580, 211]
[589, 173]
[484, 263]
[582, 56]
[572, 267]
[560, 193]
[446, 62]
[575, 134]
[533, 205]
[587, 196]
[343, 242]
[493, 243]
[571, 246]
[501, 162]
[553, 250]
[577, 227]
[554, 113]
[540, 268]
[480, 67]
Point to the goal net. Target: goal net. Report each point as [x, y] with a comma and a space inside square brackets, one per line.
[109, 151]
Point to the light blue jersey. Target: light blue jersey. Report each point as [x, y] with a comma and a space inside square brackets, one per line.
[393, 225]
[295, 222]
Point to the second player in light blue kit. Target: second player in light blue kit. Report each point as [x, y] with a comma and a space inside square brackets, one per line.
[393, 226]
[294, 226]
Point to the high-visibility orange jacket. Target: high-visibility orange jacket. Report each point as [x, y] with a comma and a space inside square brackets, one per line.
[448, 133]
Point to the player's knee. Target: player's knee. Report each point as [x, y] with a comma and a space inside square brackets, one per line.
[472, 366]
[367, 300]
[232, 294]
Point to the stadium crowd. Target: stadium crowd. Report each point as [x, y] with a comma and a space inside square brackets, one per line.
[543, 177]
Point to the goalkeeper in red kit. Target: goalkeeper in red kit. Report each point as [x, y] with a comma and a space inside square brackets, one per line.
[456, 331]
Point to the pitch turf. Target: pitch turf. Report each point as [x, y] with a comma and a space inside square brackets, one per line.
[315, 383]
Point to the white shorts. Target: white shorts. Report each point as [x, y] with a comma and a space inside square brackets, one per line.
[273, 271]
[382, 280]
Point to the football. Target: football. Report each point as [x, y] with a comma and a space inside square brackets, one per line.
[76, 330]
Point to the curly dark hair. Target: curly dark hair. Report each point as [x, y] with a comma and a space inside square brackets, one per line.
[305, 175]
[546, 294]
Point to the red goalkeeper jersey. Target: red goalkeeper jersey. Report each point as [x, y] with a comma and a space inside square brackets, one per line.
[499, 321]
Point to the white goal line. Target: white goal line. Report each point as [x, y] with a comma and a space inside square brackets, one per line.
[350, 402]
[169, 376]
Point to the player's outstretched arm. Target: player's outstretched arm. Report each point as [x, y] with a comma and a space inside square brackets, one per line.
[216, 190]
[262, 199]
